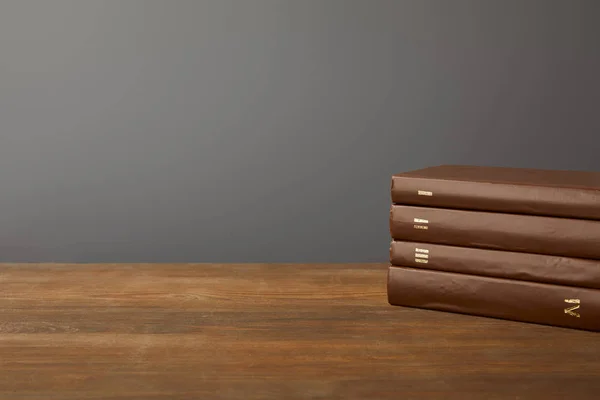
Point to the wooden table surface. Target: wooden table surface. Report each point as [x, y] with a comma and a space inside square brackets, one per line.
[265, 331]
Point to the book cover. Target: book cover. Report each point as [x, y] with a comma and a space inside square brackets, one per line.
[497, 231]
[541, 303]
[572, 194]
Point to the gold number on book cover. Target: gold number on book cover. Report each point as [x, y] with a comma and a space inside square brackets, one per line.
[571, 310]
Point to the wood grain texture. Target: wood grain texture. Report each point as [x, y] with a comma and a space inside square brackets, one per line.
[257, 331]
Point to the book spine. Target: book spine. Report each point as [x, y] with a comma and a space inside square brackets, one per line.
[501, 264]
[497, 197]
[540, 303]
[497, 231]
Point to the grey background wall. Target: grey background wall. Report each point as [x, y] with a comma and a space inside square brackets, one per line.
[267, 130]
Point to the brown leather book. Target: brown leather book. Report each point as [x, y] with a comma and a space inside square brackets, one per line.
[574, 194]
[541, 268]
[497, 231]
[540, 303]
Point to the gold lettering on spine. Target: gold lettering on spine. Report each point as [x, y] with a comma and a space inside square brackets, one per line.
[418, 222]
[571, 310]
[421, 255]
[424, 193]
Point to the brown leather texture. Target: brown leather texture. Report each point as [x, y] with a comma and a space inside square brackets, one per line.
[540, 303]
[497, 231]
[574, 194]
[541, 268]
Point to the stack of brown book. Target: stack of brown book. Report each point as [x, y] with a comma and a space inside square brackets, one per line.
[510, 243]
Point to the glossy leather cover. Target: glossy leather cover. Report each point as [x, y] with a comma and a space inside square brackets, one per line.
[574, 194]
[500, 264]
[511, 232]
[515, 300]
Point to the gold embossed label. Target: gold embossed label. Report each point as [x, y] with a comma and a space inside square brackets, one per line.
[419, 223]
[571, 310]
[421, 255]
[424, 193]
